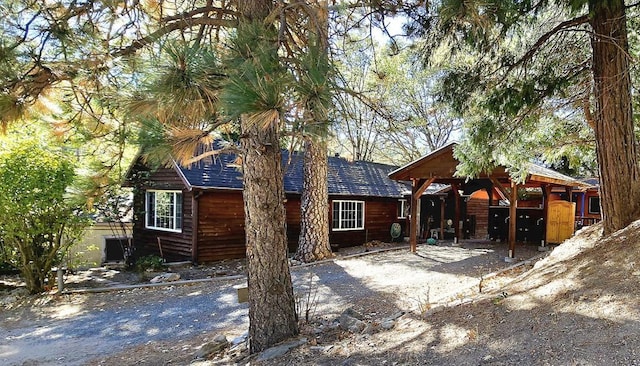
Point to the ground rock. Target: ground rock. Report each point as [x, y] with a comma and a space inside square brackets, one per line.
[351, 320]
[13, 296]
[353, 313]
[370, 328]
[388, 324]
[352, 324]
[218, 344]
[166, 277]
[240, 339]
[395, 316]
[280, 350]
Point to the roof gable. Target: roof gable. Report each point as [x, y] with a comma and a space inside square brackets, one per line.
[441, 164]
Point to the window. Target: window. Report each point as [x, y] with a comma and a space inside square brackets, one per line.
[403, 209]
[348, 215]
[594, 205]
[164, 210]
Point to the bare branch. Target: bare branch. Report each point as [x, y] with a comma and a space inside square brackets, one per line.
[174, 26]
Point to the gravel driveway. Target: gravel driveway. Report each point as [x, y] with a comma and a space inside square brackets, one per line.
[72, 330]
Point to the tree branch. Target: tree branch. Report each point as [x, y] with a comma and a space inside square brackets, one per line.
[170, 27]
[545, 37]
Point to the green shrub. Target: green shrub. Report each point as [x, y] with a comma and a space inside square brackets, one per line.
[149, 262]
[40, 220]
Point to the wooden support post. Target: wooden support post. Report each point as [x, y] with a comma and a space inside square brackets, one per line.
[456, 224]
[415, 201]
[546, 192]
[418, 186]
[513, 214]
[442, 201]
[195, 217]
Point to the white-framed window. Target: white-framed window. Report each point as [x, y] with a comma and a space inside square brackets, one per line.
[594, 205]
[403, 208]
[348, 215]
[163, 210]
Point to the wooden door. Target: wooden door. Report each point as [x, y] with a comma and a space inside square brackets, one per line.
[560, 221]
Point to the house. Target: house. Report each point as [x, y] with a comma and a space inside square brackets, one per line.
[587, 203]
[491, 205]
[102, 242]
[196, 213]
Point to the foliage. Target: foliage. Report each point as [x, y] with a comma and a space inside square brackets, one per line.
[40, 219]
[520, 75]
[149, 263]
[387, 109]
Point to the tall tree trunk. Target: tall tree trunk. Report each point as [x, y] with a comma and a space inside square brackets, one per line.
[615, 139]
[272, 315]
[313, 243]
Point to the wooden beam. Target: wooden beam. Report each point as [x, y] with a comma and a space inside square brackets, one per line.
[194, 232]
[501, 188]
[418, 186]
[456, 224]
[413, 225]
[442, 201]
[546, 192]
[513, 217]
[569, 191]
[424, 184]
[195, 218]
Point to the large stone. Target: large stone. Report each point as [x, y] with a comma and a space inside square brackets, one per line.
[166, 277]
[394, 316]
[352, 324]
[280, 350]
[351, 320]
[240, 339]
[388, 324]
[208, 349]
[354, 314]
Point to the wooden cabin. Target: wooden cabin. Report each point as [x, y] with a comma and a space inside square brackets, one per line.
[484, 207]
[196, 213]
[588, 203]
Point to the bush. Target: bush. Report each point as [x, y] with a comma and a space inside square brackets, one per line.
[39, 221]
[8, 268]
[149, 262]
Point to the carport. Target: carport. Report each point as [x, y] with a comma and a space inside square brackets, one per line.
[440, 166]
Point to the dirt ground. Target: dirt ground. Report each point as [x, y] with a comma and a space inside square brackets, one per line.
[578, 306]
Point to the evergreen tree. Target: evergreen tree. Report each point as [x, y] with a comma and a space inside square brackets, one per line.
[537, 62]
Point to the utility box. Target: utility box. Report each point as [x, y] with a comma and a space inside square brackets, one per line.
[243, 293]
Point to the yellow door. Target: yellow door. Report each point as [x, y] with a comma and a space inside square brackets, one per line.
[560, 221]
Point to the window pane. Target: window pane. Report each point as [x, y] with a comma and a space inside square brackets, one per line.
[178, 211]
[594, 205]
[164, 210]
[336, 215]
[151, 215]
[403, 208]
[348, 215]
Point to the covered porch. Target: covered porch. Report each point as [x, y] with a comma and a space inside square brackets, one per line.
[483, 207]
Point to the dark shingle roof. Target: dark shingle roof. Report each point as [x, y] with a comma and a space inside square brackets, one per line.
[347, 178]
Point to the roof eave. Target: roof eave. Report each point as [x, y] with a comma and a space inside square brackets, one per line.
[396, 174]
[184, 179]
[556, 181]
